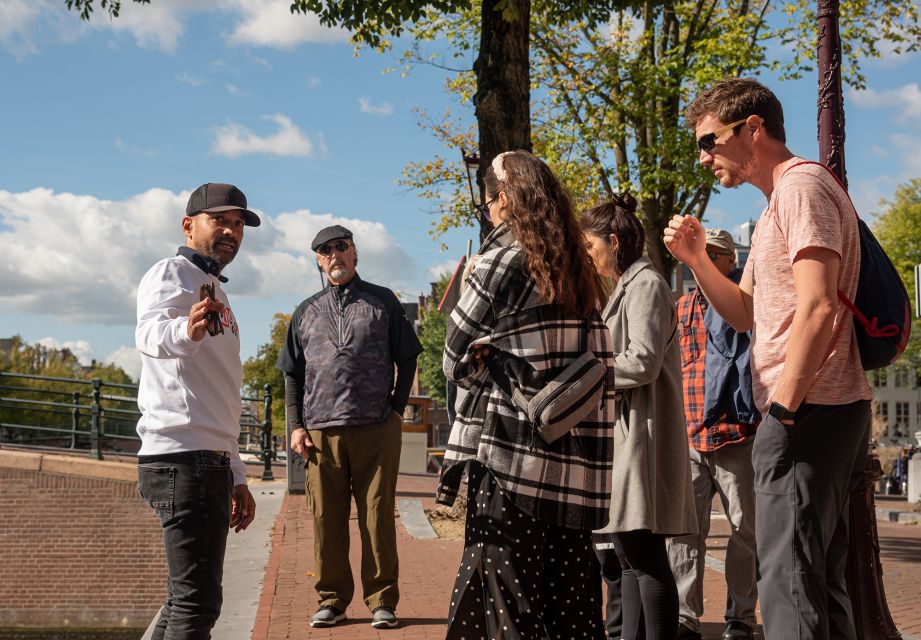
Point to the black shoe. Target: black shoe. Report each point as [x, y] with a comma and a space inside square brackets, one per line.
[736, 630]
[687, 633]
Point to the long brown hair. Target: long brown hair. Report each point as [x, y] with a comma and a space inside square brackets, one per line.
[540, 215]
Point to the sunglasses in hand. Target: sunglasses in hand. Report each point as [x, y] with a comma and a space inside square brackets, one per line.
[214, 320]
[339, 245]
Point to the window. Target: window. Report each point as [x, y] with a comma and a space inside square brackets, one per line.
[902, 377]
[879, 378]
[901, 419]
[884, 412]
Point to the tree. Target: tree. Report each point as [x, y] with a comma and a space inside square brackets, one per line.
[608, 115]
[85, 7]
[260, 370]
[502, 69]
[432, 336]
[898, 232]
[39, 360]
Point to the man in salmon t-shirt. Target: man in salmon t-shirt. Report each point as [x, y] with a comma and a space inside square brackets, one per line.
[807, 380]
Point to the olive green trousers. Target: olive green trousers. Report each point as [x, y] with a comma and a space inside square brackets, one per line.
[360, 461]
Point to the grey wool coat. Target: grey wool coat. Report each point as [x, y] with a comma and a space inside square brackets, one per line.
[652, 473]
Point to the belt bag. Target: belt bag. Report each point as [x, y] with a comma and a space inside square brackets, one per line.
[565, 401]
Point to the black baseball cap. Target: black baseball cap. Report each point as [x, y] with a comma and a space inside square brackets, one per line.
[213, 197]
[330, 233]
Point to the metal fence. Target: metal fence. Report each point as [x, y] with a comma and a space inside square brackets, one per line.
[69, 413]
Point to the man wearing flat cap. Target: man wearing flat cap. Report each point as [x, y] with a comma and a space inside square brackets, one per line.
[344, 408]
[721, 420]
[189, 467]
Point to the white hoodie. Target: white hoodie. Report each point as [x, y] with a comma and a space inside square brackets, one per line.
[189, 393]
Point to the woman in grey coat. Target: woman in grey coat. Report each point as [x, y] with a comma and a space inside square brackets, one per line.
[652, 495]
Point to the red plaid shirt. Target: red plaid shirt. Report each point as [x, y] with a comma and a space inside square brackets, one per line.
[693, 336]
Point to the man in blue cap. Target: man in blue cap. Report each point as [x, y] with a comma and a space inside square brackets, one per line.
[344, 408]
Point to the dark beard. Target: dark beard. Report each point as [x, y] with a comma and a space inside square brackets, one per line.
[223, 259]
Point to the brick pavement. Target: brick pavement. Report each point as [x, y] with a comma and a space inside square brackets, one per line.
[427, 570]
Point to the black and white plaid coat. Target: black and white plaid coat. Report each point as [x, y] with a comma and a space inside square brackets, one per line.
[568, 482]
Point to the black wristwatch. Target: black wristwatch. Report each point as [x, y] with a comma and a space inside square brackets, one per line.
[781, 412]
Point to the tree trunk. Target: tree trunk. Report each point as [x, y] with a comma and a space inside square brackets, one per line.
[503, 96]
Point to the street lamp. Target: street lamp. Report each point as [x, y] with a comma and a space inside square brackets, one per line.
[472, 164]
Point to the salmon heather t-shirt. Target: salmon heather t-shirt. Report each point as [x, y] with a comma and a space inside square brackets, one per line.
[807, 209]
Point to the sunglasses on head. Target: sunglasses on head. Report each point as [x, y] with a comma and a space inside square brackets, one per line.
[707, 141]
[339, 245]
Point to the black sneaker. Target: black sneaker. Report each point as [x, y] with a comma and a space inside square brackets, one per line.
[687, 633]
[736, 630]
[384, 618]
[327, 616]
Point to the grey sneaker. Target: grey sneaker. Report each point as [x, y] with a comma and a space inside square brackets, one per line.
[383, 618]
[327, 616]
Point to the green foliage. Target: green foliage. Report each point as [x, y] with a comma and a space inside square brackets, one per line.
[898, 232]
[432, 336]
[85, 7]
[39, 360]
[607, 97]
[260, 370]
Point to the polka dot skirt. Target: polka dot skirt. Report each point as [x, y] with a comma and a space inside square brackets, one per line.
[519, 577]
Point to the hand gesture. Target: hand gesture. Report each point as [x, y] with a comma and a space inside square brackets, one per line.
[301, 442]
[480, 353]
[198, 317]
[686, 239]
[242, 508]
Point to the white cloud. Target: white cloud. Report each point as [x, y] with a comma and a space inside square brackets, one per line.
[270, 23]
[79, 258]
[436, 271]
[233, 89]
[907, 99]
[17, 21]
[383, 109]
[128, 359]
[131, 150]
[190, 78]
[82, 349]
[158, 25]
[908, 146]
[235, 139]
[313, 82]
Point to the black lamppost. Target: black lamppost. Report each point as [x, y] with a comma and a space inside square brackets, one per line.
[864, 572]
[472, 165]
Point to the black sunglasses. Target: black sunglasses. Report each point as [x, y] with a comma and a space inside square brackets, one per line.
[484, 210]
[713, 255]
[707, 141]
[327, 249]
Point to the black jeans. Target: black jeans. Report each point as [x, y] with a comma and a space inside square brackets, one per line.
[190, 493]
[803, 476]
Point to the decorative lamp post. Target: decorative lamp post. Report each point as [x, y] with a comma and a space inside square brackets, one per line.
[472, 164]
[864, 571]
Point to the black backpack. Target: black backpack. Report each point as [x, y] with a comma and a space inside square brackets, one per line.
[881, 307]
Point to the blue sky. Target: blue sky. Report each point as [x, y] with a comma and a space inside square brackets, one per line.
[107, 126]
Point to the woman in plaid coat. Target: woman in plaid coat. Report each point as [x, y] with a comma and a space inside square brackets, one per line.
[532, 302]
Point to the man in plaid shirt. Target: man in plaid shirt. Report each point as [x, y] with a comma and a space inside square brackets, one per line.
[721, 424]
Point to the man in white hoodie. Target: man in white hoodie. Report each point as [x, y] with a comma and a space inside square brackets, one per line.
[189, 467]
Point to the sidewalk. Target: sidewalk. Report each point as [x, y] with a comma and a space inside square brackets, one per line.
[428, 567]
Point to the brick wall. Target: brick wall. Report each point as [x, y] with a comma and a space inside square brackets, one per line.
[78, 547]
